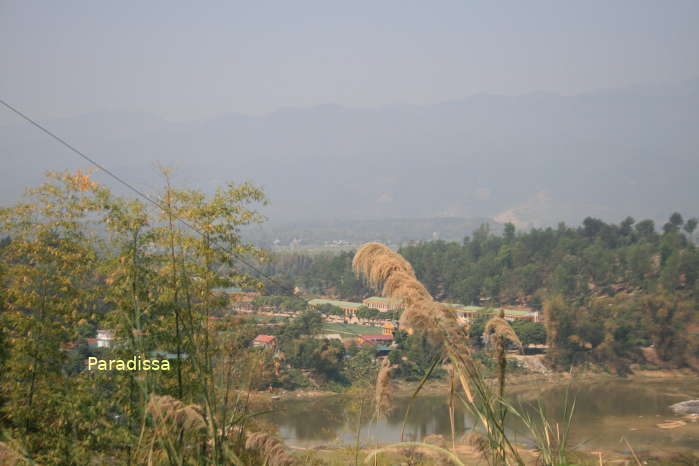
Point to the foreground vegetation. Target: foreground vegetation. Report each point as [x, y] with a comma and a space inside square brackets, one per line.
[78, 258]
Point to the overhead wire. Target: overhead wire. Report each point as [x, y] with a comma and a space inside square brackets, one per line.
[140, 193]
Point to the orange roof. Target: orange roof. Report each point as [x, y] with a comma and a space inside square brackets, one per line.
[264, 339]
[388, 325]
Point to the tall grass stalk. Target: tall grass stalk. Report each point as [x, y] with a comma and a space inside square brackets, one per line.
[390, 273]
[551, 438]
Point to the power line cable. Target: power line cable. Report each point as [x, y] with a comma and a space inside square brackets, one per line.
[134, 189]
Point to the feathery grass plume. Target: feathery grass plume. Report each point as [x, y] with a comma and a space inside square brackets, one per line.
[174, 413]
[378, 265]
[419, 316]
[404, 285]
[269, 448]
[376, 262]
[499, 327]
[497, 331]
[384, 389]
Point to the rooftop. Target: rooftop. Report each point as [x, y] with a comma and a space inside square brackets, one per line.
[228, 290]
[333, 302]
[264, 338]
[489, 310]
[384, 300]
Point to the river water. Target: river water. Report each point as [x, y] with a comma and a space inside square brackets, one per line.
[607, 411]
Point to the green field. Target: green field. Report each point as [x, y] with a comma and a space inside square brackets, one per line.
[349, 330]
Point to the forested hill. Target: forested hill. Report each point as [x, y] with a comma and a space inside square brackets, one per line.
[594, 259]
[606, 290]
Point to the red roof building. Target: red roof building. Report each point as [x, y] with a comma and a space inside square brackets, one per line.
[264, 340]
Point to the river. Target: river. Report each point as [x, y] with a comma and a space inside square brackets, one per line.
[607, 410]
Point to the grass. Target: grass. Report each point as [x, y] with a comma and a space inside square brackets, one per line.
[388, 272]
[351, 330]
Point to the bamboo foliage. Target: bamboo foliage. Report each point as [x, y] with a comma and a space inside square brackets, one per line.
[80, 258]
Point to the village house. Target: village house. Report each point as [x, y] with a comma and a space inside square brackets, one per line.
[466, 313]
[328, 336]
[265, 341]
[105, 338]
[383, 304]
[237, 295]
[347, 306]
[388, 328]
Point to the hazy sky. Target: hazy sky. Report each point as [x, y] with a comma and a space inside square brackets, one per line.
[189, 60]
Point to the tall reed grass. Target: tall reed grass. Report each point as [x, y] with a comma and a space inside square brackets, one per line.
[388, 272]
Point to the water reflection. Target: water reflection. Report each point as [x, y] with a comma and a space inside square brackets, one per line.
[605, 411]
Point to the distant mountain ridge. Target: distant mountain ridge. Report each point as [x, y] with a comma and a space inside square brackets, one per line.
[340, 233]
[607, 154]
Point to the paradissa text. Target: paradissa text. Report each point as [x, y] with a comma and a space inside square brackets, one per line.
[137, 363]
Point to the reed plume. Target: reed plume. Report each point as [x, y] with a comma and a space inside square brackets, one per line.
[173, 413]
[379, 265]
[269, 448]
[497, 331]
[499, 327]
[384, 389]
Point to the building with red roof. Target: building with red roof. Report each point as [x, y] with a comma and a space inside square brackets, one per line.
[266, 341]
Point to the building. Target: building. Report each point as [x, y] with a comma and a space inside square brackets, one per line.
[265, 341]
[388, 328]
[469, 312]
[328, 336]
[237, 295]
[105, 338]
[383, 304]
[346, 306]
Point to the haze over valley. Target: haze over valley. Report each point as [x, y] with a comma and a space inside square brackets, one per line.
[532, 160]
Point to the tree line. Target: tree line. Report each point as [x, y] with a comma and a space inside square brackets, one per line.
[606, 290]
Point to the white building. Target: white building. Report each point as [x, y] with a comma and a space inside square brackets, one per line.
[105, 338]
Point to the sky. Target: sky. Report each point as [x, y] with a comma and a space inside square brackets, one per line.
[185, 61]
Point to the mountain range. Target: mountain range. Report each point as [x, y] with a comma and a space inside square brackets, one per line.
[533, 159]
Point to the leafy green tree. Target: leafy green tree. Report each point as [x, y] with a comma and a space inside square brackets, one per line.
[665, 317]
[49, 295]
[530, 333]
[308, 323]
[646, 230]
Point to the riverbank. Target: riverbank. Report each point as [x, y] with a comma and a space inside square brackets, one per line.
[611, 413]
[517, 383]
[470, 456]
